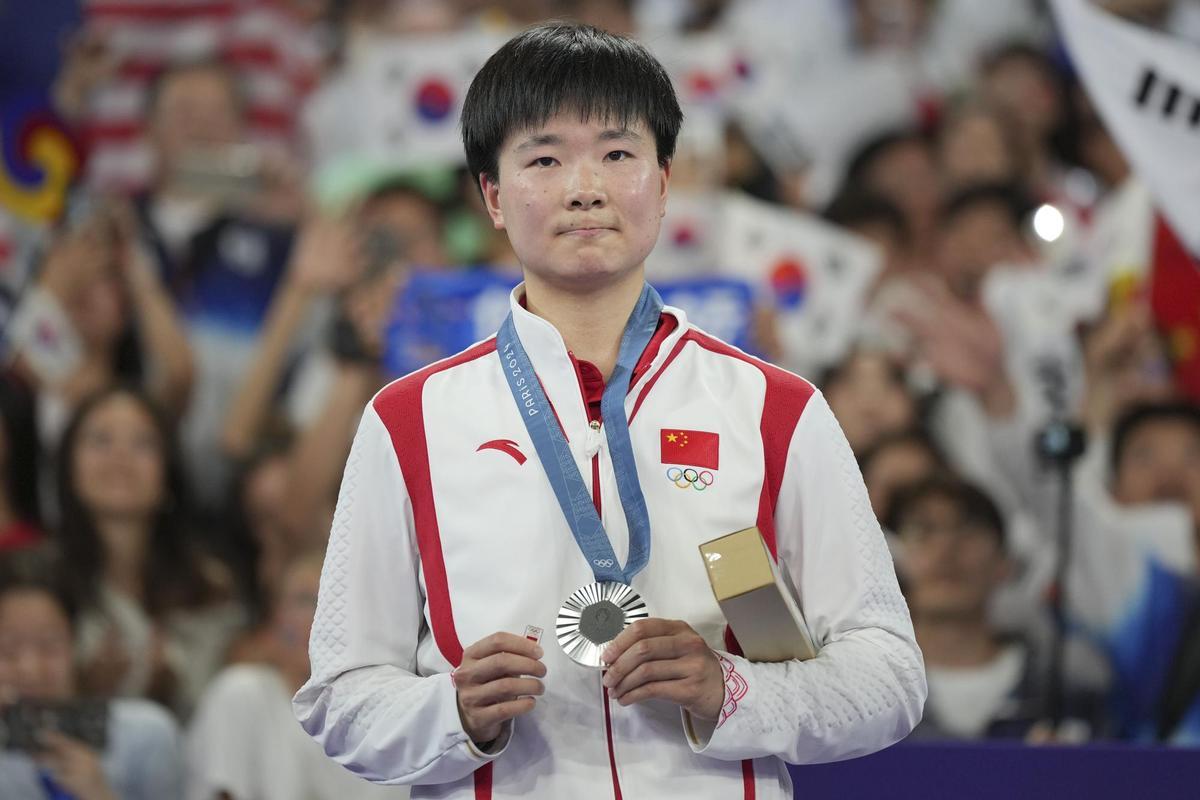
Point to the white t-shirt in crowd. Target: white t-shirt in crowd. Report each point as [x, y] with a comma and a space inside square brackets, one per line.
[964, 701]
[244, 740]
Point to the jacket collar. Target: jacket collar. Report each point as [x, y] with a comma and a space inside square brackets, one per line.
[551, 361]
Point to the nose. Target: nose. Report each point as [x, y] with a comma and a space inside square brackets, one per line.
[586, 190]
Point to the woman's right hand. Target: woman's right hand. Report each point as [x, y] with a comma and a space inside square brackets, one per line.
[75, 767]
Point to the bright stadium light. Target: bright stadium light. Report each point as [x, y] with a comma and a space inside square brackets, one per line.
[1048, 223]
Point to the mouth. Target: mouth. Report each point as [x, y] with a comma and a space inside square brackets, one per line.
[586, 232]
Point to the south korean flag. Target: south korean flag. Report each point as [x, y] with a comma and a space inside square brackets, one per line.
[412, 92]
[815, 274]
[1146, 86]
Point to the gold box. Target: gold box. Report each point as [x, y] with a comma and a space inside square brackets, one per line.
[757, 597]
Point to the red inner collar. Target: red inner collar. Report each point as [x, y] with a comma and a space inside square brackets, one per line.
[591, 381]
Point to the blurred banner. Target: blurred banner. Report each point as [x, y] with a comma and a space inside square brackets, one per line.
[413, 92]
[1146, 86]
[38, 159]
[814, 275]
[440, 313]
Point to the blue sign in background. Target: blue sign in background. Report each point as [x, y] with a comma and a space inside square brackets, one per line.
[440, 313]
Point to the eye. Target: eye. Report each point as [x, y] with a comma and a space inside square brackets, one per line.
[544, 161]
[618, 155]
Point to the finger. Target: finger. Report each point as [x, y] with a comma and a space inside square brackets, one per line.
[660, 648]
[500, 665]
[67, 747]
[642, 629]
[676, 691]
[54, 742]
[652, 672]
[502, 712]
[503, 643]
[501, 691]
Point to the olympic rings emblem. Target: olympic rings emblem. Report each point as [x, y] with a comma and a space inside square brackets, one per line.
[603, 562]
[683, 478]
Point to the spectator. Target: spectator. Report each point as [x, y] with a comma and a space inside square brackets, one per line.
[98, 314]
[272, 47]
[900, 167]
[245, 743]
[1023, 85]
[880, 221]
[977, 145]
[142, 758]
[220, 213]
[981, 227]
[870, 397]
[952, 562]
[1133, 585]
[897, 462]
[157, 614]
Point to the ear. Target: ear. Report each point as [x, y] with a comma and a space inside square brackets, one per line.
[491, 199]
[664, 179]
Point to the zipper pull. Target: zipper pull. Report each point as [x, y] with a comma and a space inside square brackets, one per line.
[593, 440]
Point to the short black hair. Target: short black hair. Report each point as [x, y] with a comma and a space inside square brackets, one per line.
[38, 570]
[561, 66]
[1011, 198]
[916, 436]
[873, 149]
[858, 206]
[1146, 414]
[1014, 51]
[972, 503]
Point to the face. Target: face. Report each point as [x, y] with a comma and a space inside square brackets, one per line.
[414, 224]
[1161, 462]
[1021, 90]
[893, 468]
[582, 202]
[950, 565]
[118, 467]
[196, 110]
[36, 647]
[973, 150]
[907, 175]
[869, 401]
[975, 240]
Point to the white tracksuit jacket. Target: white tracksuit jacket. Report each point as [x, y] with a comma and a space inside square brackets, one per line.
[437, 543]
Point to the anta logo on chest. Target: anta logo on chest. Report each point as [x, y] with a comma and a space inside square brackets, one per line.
[692, 457]
[506, 446]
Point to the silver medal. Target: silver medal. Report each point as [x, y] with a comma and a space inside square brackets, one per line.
[593, 616]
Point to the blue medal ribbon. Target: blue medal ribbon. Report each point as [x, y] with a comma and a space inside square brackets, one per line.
[555, 454]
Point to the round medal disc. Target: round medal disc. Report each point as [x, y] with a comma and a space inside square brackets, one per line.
[593, 616]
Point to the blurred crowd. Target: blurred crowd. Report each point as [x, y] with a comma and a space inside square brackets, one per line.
[196, 314]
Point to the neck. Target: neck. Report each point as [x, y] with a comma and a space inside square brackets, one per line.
[125, 542]
[966, 641]
[592, 322]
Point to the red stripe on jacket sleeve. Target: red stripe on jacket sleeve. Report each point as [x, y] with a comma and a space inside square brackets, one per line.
[401, 409]
[784, 401]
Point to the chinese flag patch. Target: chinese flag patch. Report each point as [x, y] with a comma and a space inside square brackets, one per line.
[691, 448]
